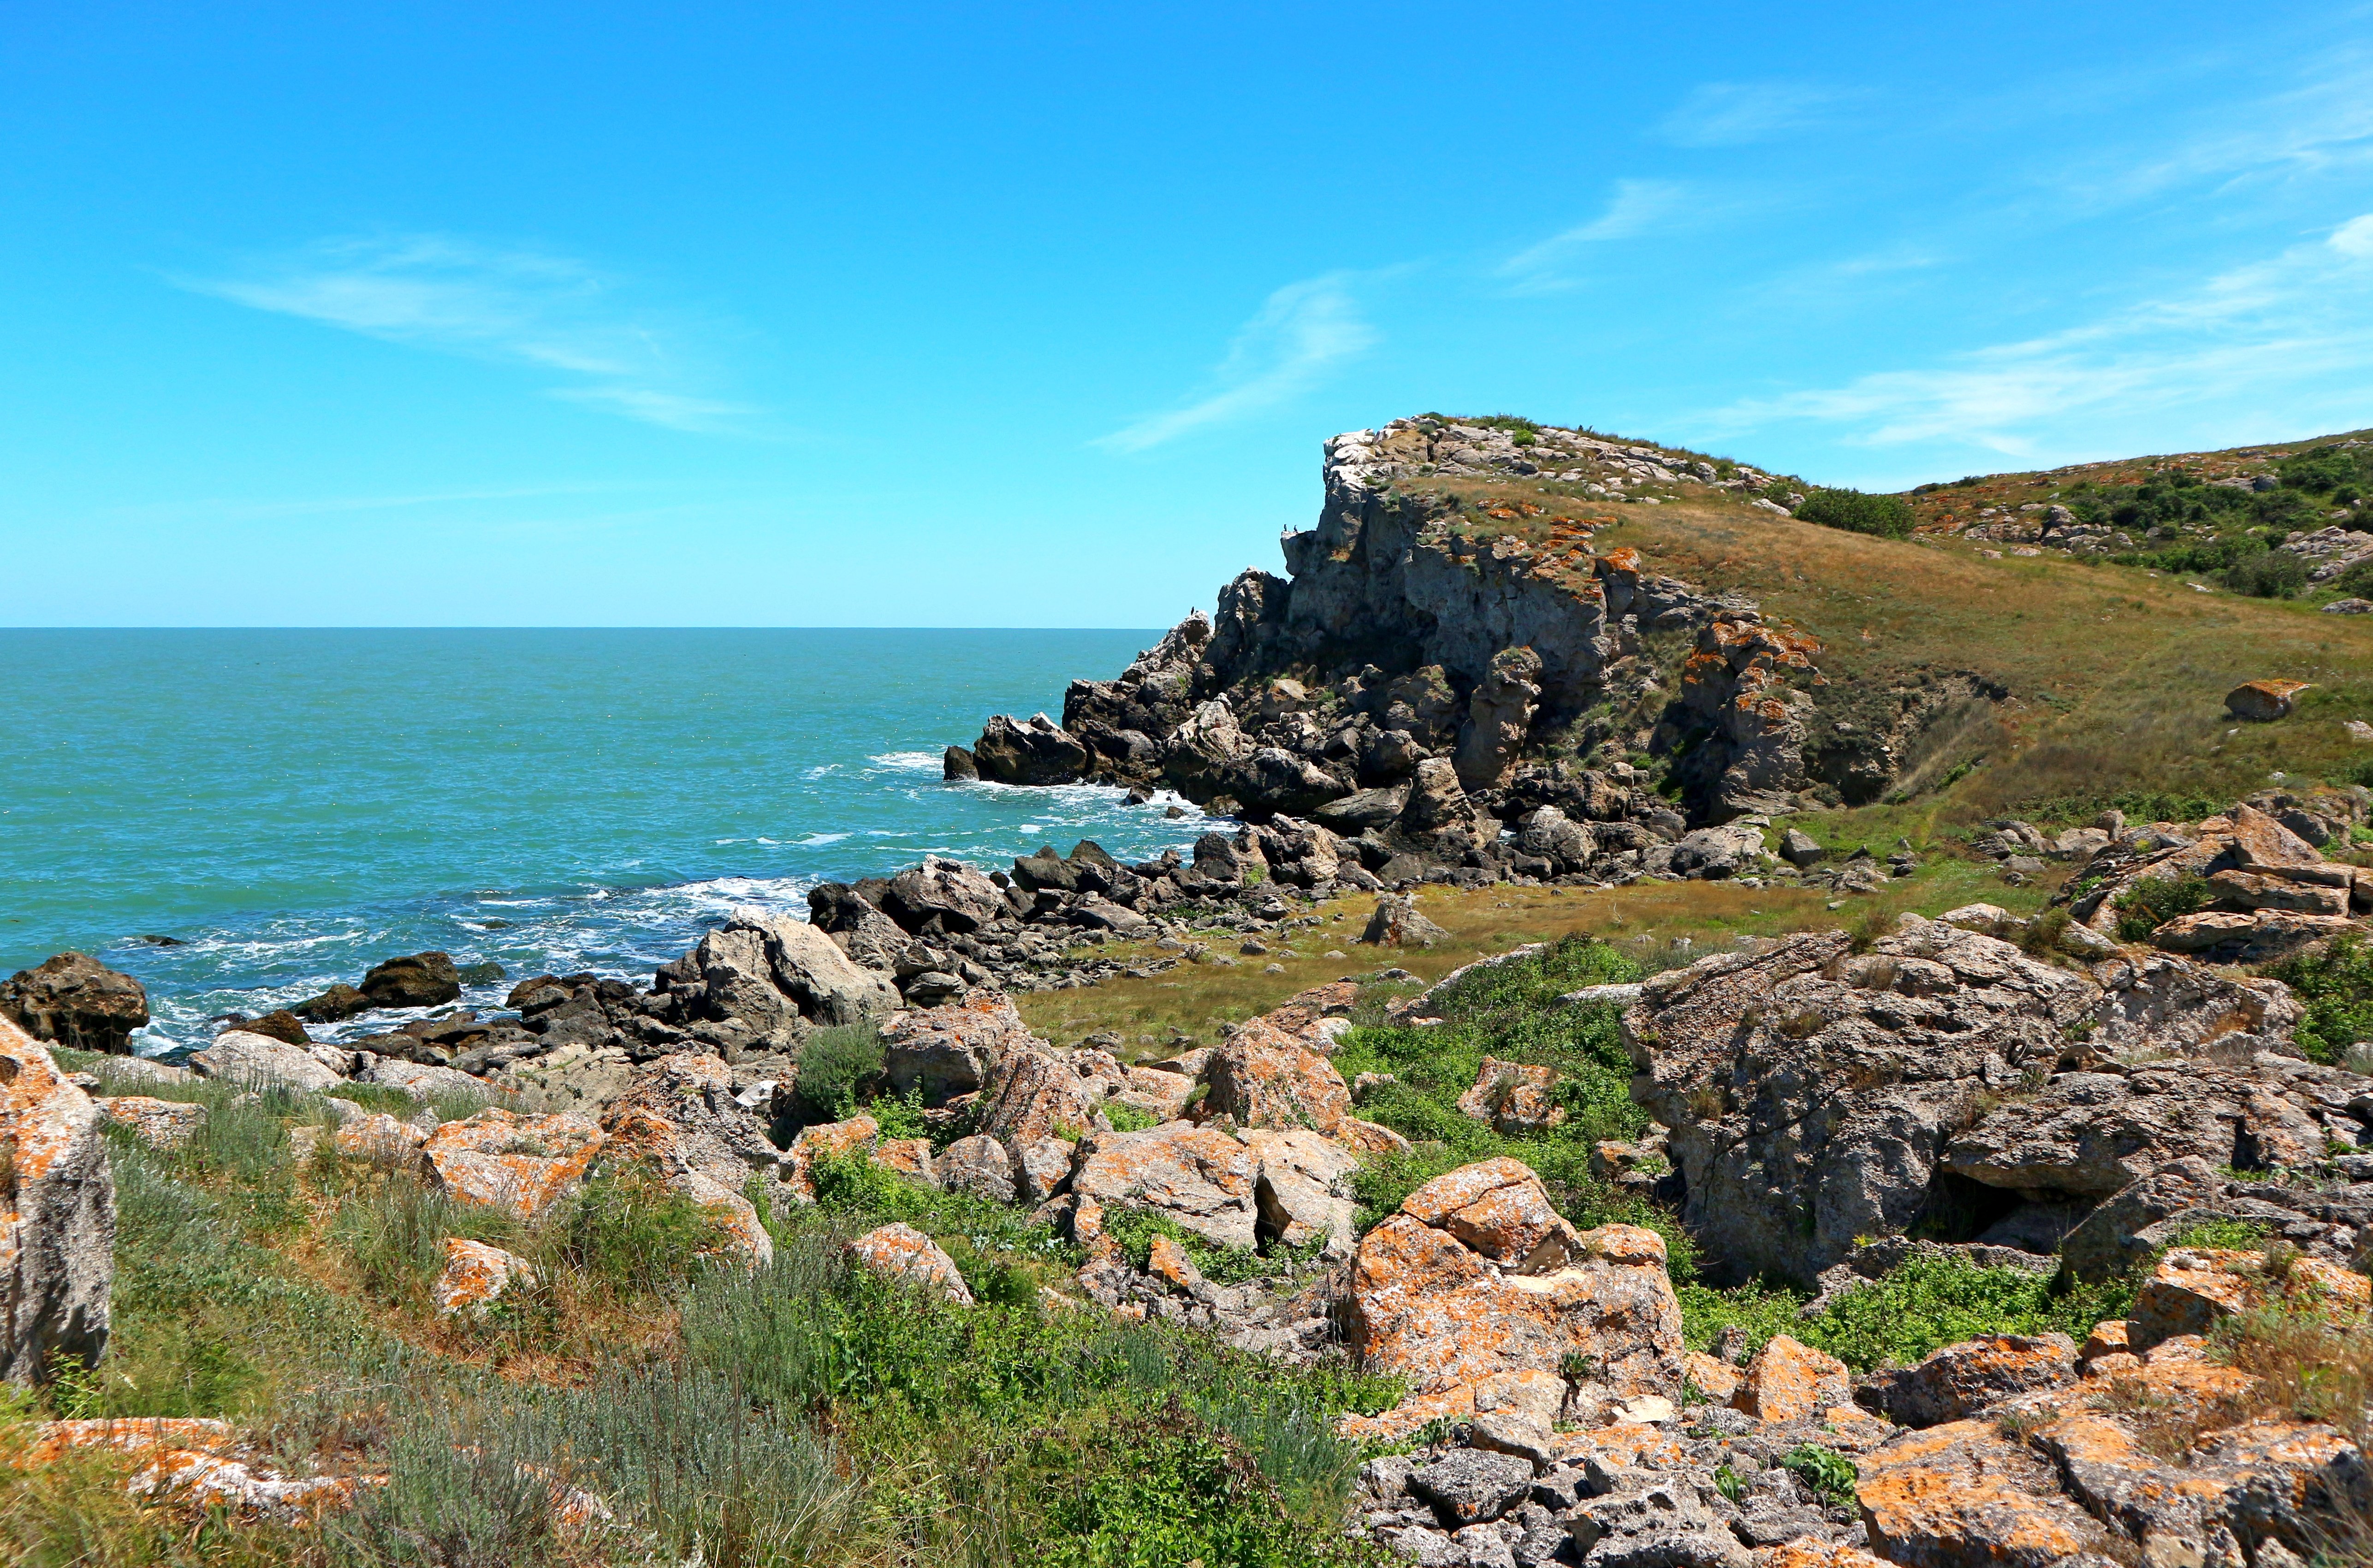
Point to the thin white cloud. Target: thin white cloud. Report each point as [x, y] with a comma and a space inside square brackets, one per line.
[1300, 331]
[1637, 207]
[513, 306]
[2294, 331]
[1729, 114]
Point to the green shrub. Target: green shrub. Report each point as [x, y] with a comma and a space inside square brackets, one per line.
[1128, 1118]
[2275, 573]
[630, 1231]
[393, 1234]
[2336, 983]
[1889, 517]
[835, 1063]
[2153, 901]
[1825, 1470]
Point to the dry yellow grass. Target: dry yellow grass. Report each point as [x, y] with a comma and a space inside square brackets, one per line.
[2114, 678]
[1196, 998]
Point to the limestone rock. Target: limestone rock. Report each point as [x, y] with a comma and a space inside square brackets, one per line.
[959, 898]
[1647, 1520]
[1789, 1382]
[1963, 1380]
[57, 1230]
[476, 1277]
[1264, 1077]
[378, 1138]
[1514, 1098]
[1397, 924]
[255, 1061]
[901, 1252]
[1961, 1495]
[679, 1113]
[825, 1140]
[1198, 1175]
[979, 1166]
[1475, 1277]
[500, 1159]
[908, 1157]
[160, 1124]
[1038, 751]
[949, 1049]
[1467, 1486]
[2262, 702]
[421, 1080]
[76, 1001]
[1033, 1093]
[2192, 1289]
[1743, 1056]
[1301, 1186]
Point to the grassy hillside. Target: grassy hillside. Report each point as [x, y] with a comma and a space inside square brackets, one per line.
[2112, 674]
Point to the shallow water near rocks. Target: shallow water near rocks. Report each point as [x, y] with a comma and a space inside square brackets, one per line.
[292, 806]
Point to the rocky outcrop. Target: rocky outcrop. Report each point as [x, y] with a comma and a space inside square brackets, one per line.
[57, 1224]
[1415, 644]
[502, 1159]
[258, 1062]
[418, 979]
[76, 1001]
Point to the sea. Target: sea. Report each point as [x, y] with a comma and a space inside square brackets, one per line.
[239, 818]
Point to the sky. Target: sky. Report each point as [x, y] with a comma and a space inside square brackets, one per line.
[1030, 315]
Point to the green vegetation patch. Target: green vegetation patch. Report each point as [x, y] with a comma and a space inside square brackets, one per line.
[2336, 983]
[1887, 517]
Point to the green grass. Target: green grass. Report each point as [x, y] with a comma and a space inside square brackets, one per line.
[2336, 984]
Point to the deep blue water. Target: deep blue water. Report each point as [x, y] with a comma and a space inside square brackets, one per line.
[294, 805]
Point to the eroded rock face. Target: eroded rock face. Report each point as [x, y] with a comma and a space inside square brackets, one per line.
[1301, 1186]
[1961, 1495]
[77, 1002]
[775, 975]
[1811, 1091]
[679, 1114]
[1476, 1277]
[949, 1049]
[57, 1230]
[1960, 1381]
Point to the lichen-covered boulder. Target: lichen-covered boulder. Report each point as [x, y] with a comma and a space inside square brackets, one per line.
[475, 1276]
[1963, 1380]
[1811, 1089]
[825, 1140]
[57, 1229]
[2194, 1289]
[523, 1164]
[1301, 1186]
[901, 1252]
[76, 1001]
[1198, 1175]
[1477, 1276]
[1962, 1495]
[1034, 1095]
[979, 1166]
[679, 1113]
[1264, 1077]
[160, 1124]
[378, 1138]
[949, 1050]
[1788, 1382]
[1514, 1098]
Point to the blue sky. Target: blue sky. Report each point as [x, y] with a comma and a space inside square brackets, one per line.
[1037, 316]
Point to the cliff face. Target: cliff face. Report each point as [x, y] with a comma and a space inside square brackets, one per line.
[1415, 627]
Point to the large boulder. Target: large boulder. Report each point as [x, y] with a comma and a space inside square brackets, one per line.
[679, 1114]
[901, 1252]
[1196, 1176]
[417, 979]
[1477, 1276]
[948, 1051]
[257, 1062]
[1033, 1095]
[76, 1001]
[501, 1160]
[1038, 751]
[57, 1230]
[773, 975]
[1301, 1186]
[1811, 1089]
[1264, 1077]
[818, 977]
[945, 896]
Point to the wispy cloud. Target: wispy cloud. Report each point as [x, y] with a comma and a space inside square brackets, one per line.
[514, 306]
[1637, 207]
[1302, 331]
[1729, 114]
[2292, 332]
[2321, 126]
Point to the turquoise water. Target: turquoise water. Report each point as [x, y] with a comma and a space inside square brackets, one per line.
[294, 805]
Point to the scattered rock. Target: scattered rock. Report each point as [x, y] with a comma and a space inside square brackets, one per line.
[476, 1277]
[160, 1124]
[2262, 702]
[258, 1062]
[901, 1252]
[1396, 923]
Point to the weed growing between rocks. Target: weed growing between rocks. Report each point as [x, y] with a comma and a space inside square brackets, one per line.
[2335, 981]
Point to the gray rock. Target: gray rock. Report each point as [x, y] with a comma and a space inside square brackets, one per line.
[256, 1061]
[421, 1080]
[1467, 1485]
[1038, 751]
[1963, 1380]
[1397, 924]
[1800, 849]
[1744, 1055]
[979, 1166]
[77, 1002]
[1654, 1521]
[1364, 809]
[57, 1236]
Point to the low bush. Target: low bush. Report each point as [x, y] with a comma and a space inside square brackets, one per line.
[1889, 517]
[2152, 902]
[2336, 983]
[629, 1232]
[835, 1063]
[2274, 574]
